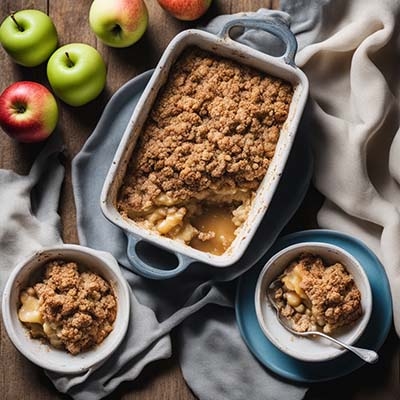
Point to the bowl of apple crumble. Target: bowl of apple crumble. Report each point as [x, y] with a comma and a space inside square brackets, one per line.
[317, 287]
[205, 147]
[66, 308]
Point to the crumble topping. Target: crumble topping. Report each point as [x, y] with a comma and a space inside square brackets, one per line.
[315, 296]
[207, 142]
[72, 309]
[215, 126]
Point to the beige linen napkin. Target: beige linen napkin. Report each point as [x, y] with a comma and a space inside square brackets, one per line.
[353, 65]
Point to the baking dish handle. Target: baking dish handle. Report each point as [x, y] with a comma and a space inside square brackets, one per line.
[274, 25]
[148, 271]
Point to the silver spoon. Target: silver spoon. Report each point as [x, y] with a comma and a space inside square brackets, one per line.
[368, 356]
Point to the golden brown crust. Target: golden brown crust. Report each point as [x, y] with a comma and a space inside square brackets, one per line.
[333, 297]
[81, 305]
[214, 125]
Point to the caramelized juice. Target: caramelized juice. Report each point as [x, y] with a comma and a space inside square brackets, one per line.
[218, 220]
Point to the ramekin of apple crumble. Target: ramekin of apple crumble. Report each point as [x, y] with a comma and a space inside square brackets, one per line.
[66, 308]
[205, 148]
[317, 287]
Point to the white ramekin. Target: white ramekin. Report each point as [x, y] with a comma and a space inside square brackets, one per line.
[42, 353]
[309, 348]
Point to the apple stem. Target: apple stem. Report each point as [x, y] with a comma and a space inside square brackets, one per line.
[70, 63]
[20, 28]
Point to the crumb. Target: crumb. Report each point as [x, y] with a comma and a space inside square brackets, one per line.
[215, 125]
[77, 308]
[329, 297]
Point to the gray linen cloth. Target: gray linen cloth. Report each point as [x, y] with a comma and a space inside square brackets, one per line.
[28, 208]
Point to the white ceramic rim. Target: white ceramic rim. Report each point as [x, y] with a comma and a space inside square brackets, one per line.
[111, 264]
[366, 313]
[220, 46]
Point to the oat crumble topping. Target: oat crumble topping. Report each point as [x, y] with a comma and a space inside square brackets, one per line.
[76, 310]
[210, 137]
[215, 125]
[316, 296]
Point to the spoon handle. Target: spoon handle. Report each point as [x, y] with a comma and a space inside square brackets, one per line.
[368, 356]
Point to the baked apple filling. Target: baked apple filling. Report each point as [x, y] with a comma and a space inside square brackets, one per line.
[315, 296]
[204, 150]
[209, 224]
[71, 309]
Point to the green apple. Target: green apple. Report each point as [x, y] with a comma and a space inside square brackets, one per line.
[118, 23]
[29, 37]
[77, 73]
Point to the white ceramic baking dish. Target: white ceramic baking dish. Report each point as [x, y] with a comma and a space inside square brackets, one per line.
[222, 45]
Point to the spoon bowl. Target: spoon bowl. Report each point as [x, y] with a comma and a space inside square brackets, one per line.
[366, 355]
[314, 348]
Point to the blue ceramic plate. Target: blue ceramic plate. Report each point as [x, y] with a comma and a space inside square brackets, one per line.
[288, 367]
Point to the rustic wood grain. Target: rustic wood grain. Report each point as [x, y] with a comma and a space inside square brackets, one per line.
[21, 380]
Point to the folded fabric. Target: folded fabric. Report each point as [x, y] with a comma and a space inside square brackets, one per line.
[352, 61]
[28, 213]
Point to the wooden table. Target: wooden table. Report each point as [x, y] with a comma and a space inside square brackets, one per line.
[21, 380]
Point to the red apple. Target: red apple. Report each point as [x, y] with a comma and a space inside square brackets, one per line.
[186, 10]
[118, 23]
[28, 112]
